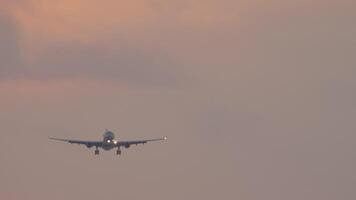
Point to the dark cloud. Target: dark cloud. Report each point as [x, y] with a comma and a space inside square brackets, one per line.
[116, 63]
[9, 48]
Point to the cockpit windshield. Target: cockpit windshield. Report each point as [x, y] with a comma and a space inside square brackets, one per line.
[108, 135]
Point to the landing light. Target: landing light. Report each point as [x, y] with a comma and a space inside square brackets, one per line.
[108, 141]
[165, 138]
[115, 142]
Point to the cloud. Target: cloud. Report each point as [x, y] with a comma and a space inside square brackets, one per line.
[59, 40]
[138, 42]
[114, 63]
[9, 48]
[152, 42]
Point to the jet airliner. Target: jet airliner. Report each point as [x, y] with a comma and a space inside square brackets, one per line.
[108, 142]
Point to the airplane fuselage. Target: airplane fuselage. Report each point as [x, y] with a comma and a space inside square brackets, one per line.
[109, 141]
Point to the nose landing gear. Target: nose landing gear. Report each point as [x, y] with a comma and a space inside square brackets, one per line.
[96, 152]
[118, 152]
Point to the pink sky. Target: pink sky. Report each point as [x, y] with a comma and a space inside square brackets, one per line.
[256, 97]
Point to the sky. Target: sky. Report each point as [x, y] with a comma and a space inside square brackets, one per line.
[257, 99]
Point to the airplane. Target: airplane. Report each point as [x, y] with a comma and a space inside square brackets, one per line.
[108, 142]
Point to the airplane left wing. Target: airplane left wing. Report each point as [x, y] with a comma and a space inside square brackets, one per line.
[88, 144]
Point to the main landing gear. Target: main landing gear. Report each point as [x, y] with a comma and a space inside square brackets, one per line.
[96, 152]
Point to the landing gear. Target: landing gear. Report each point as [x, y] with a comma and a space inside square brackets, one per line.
[118, 152]
[96, 151]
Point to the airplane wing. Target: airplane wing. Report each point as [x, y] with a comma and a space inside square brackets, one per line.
[136, 142]
[88, 144]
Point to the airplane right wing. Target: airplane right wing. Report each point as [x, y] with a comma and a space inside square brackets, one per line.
[88, 144]
[136, 142]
